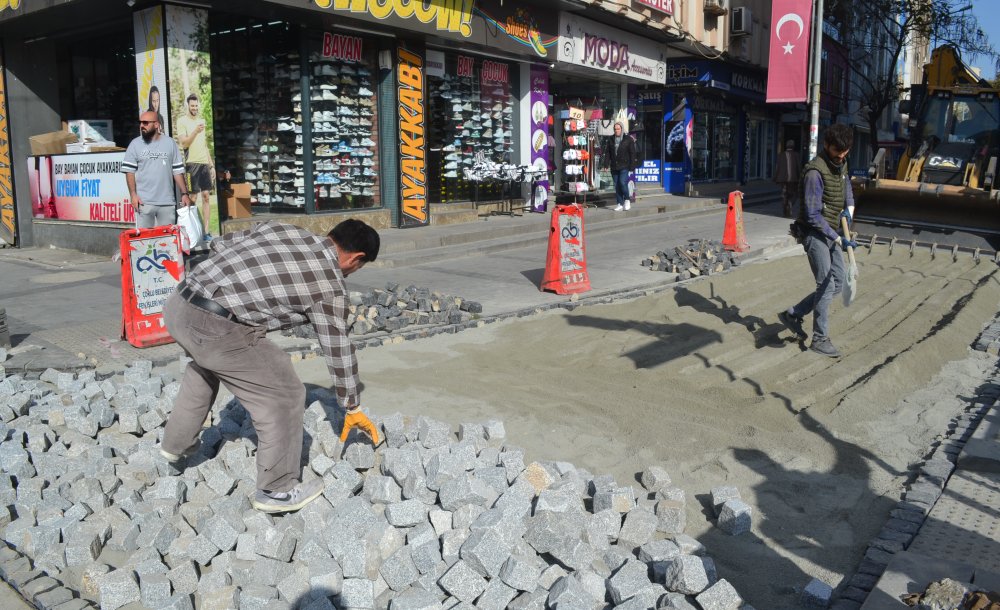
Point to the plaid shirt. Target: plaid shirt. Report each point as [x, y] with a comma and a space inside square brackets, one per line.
[278, 276]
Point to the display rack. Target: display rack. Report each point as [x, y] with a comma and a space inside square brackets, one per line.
[343, 106]
[259, 130]
[470, 119]
[578, 158]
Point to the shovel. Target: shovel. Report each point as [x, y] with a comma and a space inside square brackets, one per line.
[851, 281]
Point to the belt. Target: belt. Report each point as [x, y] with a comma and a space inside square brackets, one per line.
[207, 304]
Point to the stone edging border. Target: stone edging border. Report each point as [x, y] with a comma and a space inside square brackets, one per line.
[926, 486]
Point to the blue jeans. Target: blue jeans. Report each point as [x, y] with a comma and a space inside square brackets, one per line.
[827, 264]
[621, 185]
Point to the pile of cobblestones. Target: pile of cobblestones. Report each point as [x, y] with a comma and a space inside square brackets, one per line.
[699, 257]
[394, 309]
[429, 519]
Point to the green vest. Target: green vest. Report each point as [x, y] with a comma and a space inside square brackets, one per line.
[834, 180]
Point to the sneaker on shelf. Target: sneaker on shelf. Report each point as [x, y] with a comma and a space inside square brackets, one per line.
[451, 174]
[367, 142]
[364, 92]
[451, 165]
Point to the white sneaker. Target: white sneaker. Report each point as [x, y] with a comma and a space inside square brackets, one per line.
[628, 205]
[619, 207]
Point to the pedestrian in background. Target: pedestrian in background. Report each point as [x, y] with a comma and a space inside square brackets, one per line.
[152, 167]
[270, 277]
[826, 197]
[621, 159]
[787, 175]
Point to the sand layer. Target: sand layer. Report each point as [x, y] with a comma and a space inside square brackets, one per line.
[705, 382]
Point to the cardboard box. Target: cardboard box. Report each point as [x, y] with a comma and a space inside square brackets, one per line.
[52, 143]
[237, 200]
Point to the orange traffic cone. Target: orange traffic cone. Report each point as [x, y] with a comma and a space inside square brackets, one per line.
[566, 262]
[733, 237]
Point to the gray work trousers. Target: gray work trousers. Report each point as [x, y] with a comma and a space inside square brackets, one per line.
[827, 264]
[255, 370]
[150, 215]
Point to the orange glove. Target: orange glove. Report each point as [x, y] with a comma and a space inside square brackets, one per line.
[356, 419]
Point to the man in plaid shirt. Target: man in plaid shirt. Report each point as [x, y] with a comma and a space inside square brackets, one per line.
[271, 277]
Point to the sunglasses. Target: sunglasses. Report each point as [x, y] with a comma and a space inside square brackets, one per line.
[146, 122]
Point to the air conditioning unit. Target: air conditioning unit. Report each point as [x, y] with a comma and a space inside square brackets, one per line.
[742, 22]
[717, 7]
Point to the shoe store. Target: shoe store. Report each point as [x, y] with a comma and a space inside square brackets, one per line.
[593, 86]
[303, 111]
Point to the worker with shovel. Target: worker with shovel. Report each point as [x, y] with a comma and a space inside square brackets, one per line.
[826, 197]
[270, 277]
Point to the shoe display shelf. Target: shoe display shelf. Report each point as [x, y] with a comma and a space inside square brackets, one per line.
[344, 135]
[468, 119]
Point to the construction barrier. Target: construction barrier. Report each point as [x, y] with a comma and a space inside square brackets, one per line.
[152, 266]
[566, 262]
[734, 238]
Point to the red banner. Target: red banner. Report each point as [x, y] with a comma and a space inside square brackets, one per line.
[788, 69]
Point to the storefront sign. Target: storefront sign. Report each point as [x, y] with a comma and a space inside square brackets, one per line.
[539, 99]
[434, 63]
[667, 6]
[507, 28]
[749, 84]
[650, 98]
[649, 172]
[465, 66]
[8, 211]
[494, 72]
[595, 45]
[447, 16]
[413, 165]
[150, 64]
[342, 47]
[88, 187]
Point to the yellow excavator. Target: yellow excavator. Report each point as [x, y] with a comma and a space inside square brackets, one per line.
[947, 176]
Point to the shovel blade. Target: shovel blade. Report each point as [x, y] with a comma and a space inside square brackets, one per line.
[850, 284]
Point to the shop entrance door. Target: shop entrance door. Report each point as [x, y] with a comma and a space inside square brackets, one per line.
[723, 132]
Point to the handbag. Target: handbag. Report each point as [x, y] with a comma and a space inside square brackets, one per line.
[606, 127]
[192, 230]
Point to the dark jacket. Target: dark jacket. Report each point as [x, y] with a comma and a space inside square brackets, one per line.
[626, 157]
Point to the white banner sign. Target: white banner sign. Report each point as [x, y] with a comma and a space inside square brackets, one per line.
[594, 45]
[91, 187]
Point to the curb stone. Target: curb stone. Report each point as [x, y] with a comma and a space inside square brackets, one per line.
[925, 487]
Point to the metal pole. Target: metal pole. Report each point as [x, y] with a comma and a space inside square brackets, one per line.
[817, 65]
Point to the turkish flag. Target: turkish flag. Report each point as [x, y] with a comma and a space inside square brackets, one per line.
[788, 69]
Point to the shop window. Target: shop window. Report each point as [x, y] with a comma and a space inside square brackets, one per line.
[98, 82]
[258, 131]
[260, 124]
[572, 91]
[343, 105]
[472, 113]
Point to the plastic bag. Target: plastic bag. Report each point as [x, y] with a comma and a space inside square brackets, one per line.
[192, 230]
